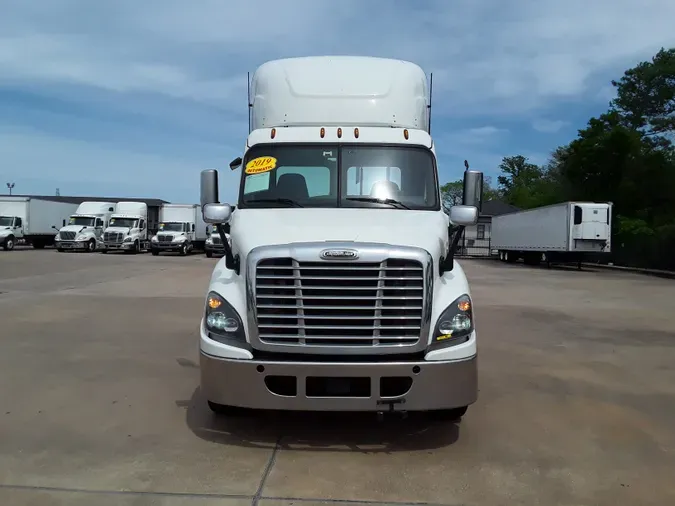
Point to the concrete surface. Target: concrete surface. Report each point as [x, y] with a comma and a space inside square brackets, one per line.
[99, 398]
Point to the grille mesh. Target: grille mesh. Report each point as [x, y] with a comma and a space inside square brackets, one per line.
[339, 303]
[68, 236]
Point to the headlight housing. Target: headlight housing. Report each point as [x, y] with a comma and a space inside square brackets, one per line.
[128, 239]
[154, 238]
[222, 321]
[81, 238]
[456, 323]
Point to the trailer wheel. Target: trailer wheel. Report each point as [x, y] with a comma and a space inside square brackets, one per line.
[509, 258]
[91, 245]
[9, 243]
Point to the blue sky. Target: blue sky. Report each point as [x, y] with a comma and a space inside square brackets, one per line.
[129, 98]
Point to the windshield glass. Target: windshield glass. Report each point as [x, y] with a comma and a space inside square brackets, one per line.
[171, 227]
[326, 175]
[6, 221]
[84, 221]
[123, 222]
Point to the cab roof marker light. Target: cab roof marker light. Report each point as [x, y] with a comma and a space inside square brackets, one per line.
[339, 133]
[356, 133]
[322, 132]
[273, 133]
[406, 134]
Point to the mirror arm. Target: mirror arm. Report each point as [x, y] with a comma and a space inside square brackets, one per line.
[231, 261]
[448, 263]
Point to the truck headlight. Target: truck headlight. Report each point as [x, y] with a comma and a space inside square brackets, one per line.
[154, 238]
[81, 238]
[455, 323]
[222, 321]
[128, 239]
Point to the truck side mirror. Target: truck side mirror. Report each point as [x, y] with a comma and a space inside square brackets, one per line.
[209, 187]
[236, 163]
[464, 215]
[217, 213]
[473, 189]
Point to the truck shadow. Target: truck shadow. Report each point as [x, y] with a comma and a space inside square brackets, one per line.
[314, 431]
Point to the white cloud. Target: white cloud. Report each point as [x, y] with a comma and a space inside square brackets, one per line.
[548, 125]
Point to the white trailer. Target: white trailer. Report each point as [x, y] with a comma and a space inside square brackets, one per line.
[565, 232]
[31, 220]
[85, 228]
[181, 228]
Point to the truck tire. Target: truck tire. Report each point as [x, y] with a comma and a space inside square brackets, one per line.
[38, 244]
[183, 250]
[9, 243]
[454, 414]
[209, 254]
[91, 246]
[222, 409]
[509, 257]
[154, 251]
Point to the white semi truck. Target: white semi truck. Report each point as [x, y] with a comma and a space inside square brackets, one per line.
[559, 233]
[214, 243]
[181, 228]
[339, 291]
[84, 230]
[31, 220]
[128, 229]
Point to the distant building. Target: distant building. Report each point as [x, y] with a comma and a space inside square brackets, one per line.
[476, 240]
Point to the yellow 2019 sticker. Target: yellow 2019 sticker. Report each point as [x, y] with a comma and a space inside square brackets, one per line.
[261, 164]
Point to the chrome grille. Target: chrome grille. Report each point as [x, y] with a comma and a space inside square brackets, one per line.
[68, 236]
[113, 237]
[339, 304]
[165, 238]
[217, 240]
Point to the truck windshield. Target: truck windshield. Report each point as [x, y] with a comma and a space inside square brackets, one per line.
[171, 227]
[325, 175]
[84, 221]
[6, 221]
[123, 222]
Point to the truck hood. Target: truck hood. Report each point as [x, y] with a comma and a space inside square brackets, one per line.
[118, 230]
[259, 227]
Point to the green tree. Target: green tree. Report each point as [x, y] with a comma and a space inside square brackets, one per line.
[525, 184]
[646, 95]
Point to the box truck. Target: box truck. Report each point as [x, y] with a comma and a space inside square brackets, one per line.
[84, 230]
[129, 228]
[31, 220]
[560, 233]
[181, 228]
[338, 289]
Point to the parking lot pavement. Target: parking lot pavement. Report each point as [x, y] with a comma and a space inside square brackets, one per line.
[100, 403]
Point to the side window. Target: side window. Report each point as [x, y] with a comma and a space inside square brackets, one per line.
[480, 232]
[99, 222]
[578, 215]
[18, 222]
[141, 224]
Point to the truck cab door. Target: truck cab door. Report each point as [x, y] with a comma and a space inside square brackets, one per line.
[98, 228]
[17, 230]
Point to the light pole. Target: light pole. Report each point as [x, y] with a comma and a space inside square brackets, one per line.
[10, 186]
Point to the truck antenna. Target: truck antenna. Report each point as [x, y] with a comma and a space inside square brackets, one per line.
[248, 99]
[431, 91]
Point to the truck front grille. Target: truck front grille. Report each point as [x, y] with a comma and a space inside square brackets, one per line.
[67, 236]
[217, 240]
[165, 238]
[112, 237]
[339, 304]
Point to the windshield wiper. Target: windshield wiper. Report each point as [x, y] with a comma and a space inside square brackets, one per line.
[391, 202]
[290, 202]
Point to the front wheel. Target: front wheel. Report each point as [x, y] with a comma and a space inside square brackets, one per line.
[183, 250]
[454, 414]
[91, 246]
[9, 244]
[222, 409]
[154, 251]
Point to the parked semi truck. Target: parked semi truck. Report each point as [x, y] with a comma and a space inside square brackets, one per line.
[339, 291]
[31, 220]
[181, 228]
[560, 233]
[214, 243]
[128, 229]
[84, 230]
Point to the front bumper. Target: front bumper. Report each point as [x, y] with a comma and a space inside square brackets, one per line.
[320, 386]
[119, 245]
[167, 246]
[72, 244]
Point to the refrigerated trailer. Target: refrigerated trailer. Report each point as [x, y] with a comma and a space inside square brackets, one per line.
[31, 220]
[559, 233]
